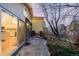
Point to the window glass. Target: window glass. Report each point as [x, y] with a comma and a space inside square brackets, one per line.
[28, 26]
[21, 26]
[9, 26]
[0, 33]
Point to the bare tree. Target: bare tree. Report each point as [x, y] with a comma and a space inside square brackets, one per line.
[53, 14]
[54, 22]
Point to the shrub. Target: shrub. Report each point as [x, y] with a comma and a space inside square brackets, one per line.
[61, 51]
[33, 33]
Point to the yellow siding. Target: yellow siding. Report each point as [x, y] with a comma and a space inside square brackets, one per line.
[37, 23]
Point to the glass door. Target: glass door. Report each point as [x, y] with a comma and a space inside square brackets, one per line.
[29, 28]
[0, 32]
[21, 26]
[9, 26]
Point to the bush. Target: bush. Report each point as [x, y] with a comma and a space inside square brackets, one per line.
[41, 33]
[33, 33]
[61, 51]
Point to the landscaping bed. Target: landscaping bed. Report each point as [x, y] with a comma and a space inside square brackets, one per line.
[57, 50]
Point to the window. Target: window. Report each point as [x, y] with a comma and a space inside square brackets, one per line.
[0, 32]
[9, 26]
[28, 26]
[21, 26]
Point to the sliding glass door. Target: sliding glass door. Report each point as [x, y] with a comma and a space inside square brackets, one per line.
[9, 26]
[21, 28]
[0, 32]
[12, 32]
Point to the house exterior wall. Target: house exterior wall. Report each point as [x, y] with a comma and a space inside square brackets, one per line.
[37, 24]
